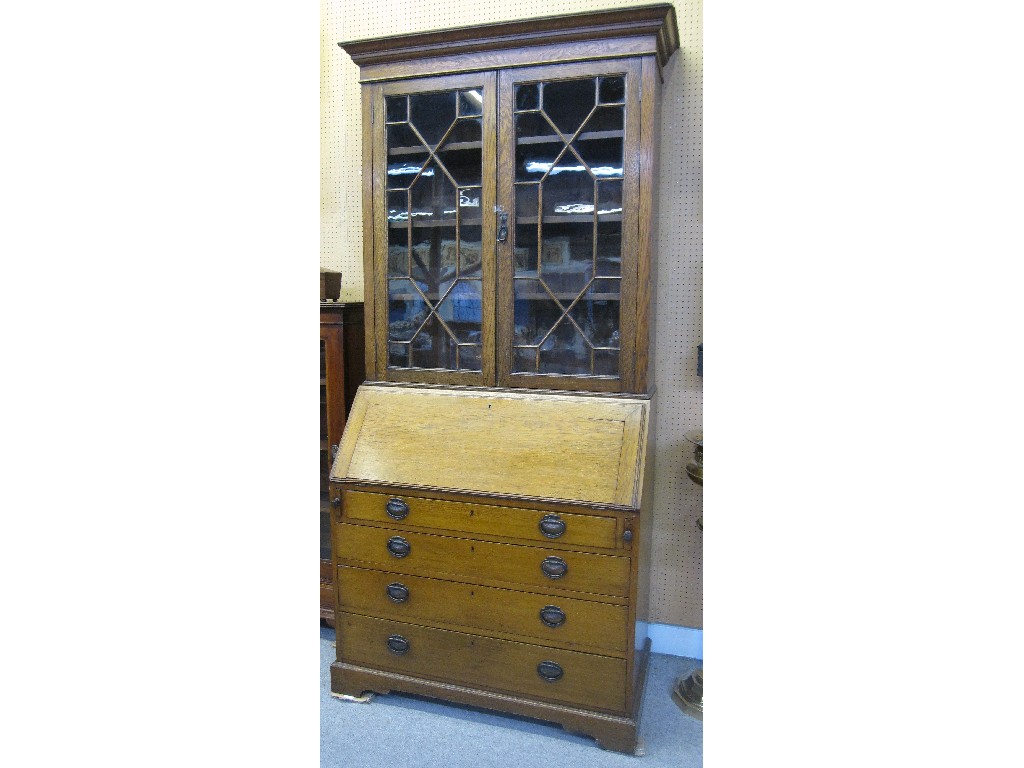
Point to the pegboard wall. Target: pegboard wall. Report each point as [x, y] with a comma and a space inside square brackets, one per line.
[676, 584]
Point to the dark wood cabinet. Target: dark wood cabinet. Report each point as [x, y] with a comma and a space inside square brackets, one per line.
[490, 503]
[341, 372]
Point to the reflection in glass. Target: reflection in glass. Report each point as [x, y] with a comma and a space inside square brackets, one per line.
[397, 108]
[432, 114]
[609, 248]
[568, 102]
[528, 96]
[461, 152]
[470, 103]
[611, 90]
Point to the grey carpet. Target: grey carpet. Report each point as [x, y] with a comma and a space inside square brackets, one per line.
[399, 731]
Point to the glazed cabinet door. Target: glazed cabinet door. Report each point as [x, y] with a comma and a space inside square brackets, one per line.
[568, 175]
[434, 228]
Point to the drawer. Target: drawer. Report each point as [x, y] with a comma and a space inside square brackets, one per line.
[484, 519]
[580, 623]
[428, 555]
[585, 680]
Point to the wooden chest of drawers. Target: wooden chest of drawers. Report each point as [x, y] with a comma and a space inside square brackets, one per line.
[490, 548]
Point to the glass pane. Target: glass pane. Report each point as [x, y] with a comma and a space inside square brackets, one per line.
[434, 230]
[609, 200]
[606, 362]
[406, 310]
[565, 352]
[433, 198]
[535, 312]
[568, 191]
[602, 155]
[406, 156]
[567, 258]
[606, 120]
[568, 103]
[432, 114]
[470, 103]
[537, 147]
[433, 347]
[461, 154]
[526, 231]
[470, 246]
[462, 309]
[524, 360]
[469, 357]
[398, 355]
[576, 258]
[609, 248]
[398, 252]
[612, 90]
[398, 208]
[470, 198]
[396, 108]
[597, 313]
[528, 96]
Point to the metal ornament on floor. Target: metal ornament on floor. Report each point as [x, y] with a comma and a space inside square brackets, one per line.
[688, 692]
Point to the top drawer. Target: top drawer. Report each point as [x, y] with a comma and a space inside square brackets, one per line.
[484, 519]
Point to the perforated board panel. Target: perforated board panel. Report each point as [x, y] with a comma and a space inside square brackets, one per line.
[676, 568]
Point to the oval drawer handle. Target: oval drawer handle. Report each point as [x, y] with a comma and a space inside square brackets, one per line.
[397, 592]
[397, 509]
[554, 567]
[398, 547]
[552, 616]
[550, 671]
[398, 645]
[552, 526]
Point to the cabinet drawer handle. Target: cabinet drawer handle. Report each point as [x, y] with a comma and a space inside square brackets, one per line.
[397, 509]
[398, 547]
[554, 567]
[398, 593]
[549, 671]
[552, 616]
[552, 526]
[398, 645]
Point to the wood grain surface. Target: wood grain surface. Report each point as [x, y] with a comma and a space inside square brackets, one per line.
[480, 519]
[599, 682]
[511, 564]
[587, 626]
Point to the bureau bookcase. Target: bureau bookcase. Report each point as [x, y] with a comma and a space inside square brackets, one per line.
[491, 495]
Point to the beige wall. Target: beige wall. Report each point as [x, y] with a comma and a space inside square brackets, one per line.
[676, 574]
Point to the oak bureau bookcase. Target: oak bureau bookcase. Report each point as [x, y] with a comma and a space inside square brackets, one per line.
[491, 495]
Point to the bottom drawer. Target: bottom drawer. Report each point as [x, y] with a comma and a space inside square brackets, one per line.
[566, 677]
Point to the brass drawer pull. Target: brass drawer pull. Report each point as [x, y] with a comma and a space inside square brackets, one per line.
[552, 616]
[398, 645]
[398, 593]
[397, 509]
[550, 671]
[554, 567]
[398, 547]
[552, 526]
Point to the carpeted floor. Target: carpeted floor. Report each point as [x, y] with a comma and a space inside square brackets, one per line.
[399, 731]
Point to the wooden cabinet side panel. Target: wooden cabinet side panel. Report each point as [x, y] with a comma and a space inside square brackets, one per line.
[369, 347]
[647, 221]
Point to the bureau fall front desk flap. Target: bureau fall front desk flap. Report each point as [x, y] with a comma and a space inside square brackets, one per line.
[491, 548]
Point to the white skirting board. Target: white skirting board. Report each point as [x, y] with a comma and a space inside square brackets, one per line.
[672, 640]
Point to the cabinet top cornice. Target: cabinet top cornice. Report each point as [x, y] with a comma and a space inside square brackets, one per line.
[653, 21]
